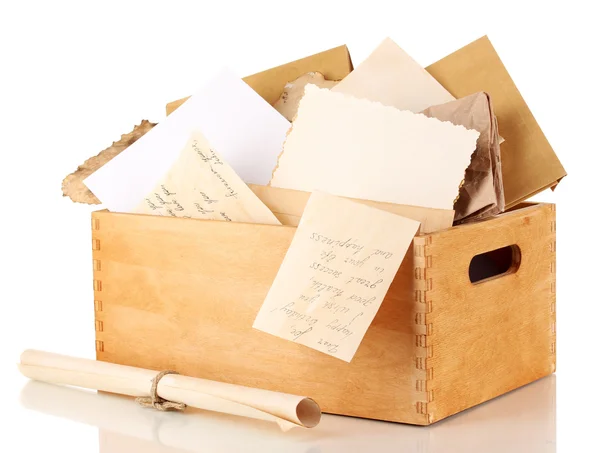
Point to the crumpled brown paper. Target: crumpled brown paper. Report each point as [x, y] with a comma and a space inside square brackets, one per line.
[72, 185]
[482, 194]
[287, 104]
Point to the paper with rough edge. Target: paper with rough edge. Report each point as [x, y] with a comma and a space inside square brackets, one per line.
[390, 76]
[73, 186]
[529, 165]
[361, 149]
[335, 274]
[201, 185]
[482, 194]
[246, 130]
[287, 104]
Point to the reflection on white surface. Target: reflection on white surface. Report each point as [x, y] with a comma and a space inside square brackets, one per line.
[522, 421]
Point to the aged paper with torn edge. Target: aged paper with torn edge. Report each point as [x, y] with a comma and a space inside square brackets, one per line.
[201, 185]
[287, 104]
[335, 274]
[246, 130]
[334, 64]
[72, 185]
[482, 194]
[390, 76]
[361, 149]
[529, 165]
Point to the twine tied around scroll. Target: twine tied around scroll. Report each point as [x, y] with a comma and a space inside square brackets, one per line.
[156, 401]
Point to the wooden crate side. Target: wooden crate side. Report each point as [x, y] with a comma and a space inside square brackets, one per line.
[488, 338]
[182, 294]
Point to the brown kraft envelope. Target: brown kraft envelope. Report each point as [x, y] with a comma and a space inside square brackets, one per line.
[529, 165]
[334, 64]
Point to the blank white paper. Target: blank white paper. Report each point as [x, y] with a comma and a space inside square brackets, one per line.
[248, 132]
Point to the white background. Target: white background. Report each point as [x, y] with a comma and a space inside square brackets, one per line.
[76, 75]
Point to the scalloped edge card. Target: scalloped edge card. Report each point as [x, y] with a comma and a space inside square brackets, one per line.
[361, 149]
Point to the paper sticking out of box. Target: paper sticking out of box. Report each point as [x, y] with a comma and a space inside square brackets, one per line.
[335, 274]
[529, 165]
[201, 185]
[288, 206]
[73, 186]
[361, 149]
[482, 193]
[246, 130]
[334, 64]
[390, 76]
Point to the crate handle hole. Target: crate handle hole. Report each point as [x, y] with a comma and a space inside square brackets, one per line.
[495, 263]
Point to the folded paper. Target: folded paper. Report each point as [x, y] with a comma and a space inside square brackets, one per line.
[201, 185]
[482, 193]
[246, 130]
[335, 274]
[361, 149]
[529, 165]
[390, 76]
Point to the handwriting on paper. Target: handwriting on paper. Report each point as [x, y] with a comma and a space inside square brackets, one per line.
[335, 274]
[201, 185]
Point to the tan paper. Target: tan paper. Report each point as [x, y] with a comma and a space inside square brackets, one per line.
[194, 392]
[334, 64]
[288, 206]
[287, 104]
[390, 76]
[361, 149]
[201, 185]
[335, 274]
[72, 185]
[482, 193]
[529, 165]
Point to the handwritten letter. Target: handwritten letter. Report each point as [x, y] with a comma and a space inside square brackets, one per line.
[335, 274]
[201, 185]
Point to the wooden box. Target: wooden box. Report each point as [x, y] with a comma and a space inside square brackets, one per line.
[182, 294]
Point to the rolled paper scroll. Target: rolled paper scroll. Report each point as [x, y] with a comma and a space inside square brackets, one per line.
[194, 392]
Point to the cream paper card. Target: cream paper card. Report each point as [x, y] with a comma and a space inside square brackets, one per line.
[201, 185]
[390, 76]
[246, 130]
[334, 276]
[361, 149]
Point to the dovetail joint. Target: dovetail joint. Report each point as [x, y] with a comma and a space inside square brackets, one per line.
[97, 265]
[95, 224]
[97, 305]
[95, 244]
[423, 283]
[99, 346]
[99, 325]
[97, 285]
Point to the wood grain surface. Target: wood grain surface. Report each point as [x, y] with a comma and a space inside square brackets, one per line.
[182, 294]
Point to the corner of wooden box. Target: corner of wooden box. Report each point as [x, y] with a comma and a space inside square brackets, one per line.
[423, 373]
[97, 282]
